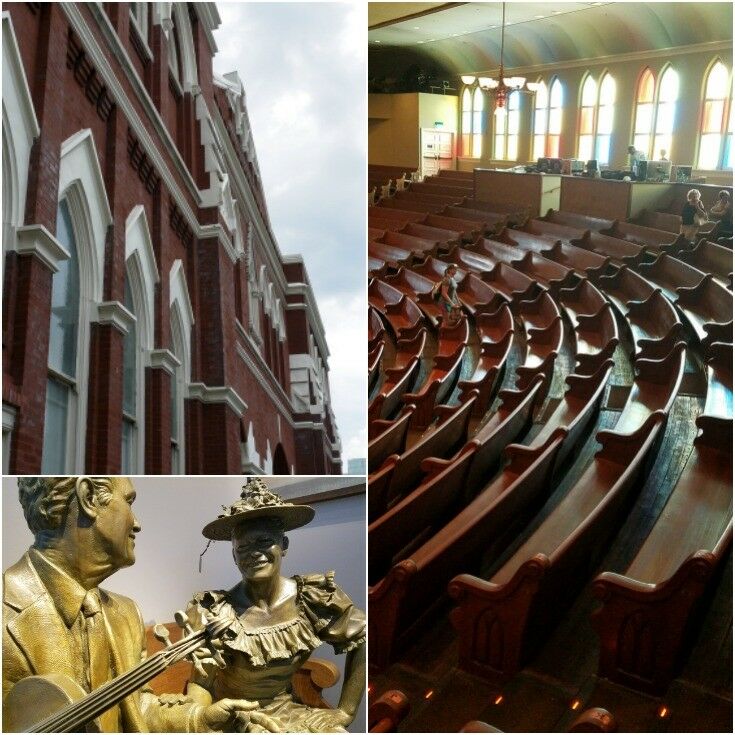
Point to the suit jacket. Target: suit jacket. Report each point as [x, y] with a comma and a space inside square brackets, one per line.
[35, 642]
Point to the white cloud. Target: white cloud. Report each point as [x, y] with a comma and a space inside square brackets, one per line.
[303, 67]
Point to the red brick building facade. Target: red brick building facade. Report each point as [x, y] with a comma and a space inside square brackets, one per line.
[150, 323]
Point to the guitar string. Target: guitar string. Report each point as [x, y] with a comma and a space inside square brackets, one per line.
[79, 713]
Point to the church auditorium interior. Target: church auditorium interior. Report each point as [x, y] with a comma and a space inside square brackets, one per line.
[550, 367]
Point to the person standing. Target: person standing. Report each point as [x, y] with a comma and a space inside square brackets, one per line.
[693, 215]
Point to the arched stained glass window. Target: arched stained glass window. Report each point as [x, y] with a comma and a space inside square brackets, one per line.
[506, 130]
[61, 386]
[715, 138]
[473, 122]
[587, 118]
[668, 94]
[605, 117]
[547, 120]
[644, 112]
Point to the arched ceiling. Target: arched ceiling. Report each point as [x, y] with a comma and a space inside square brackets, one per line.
[465, 37]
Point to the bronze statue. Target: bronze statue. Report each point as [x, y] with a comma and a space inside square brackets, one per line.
[65, 638]
[275, 622]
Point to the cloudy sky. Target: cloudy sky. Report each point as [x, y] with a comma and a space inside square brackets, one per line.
[303, 68]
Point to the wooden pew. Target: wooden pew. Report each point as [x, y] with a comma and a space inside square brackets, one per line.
[374, 358]
[449, 434]
[429, 231]
[548, 272]
[517, 214]
[620, 252]
[449, 484]
[387, 437]
[495, 331]
[377, 268]
[405, 596]
[554, 230]
[462, 181]
[647, 618]
[502, 621]
[399, 377]
[710, 258]
[460, 175]
[469, 229]
[585, 263]
[418, 288]
[657, 240]
[582, 221]
[486, 222]
[376, 330]
[435, 201]
[405, 318]
[428, 187]
[395, 215]
[392, 255]
[408, 242]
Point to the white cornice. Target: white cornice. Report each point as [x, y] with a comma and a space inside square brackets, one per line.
[210, 20]
[164, 359]
[115, 313]
[312, 312]
[555, 66]
[218, 394]
[14, 75]
[37, 240]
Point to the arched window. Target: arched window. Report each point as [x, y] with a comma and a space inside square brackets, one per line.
[596, 119]
[605, 115]
[547, 120]
[587, 118]
[130, 421]
[61, 387]
[715, 149]
[668, 93]
[643, 128]
[540, 120]
[140, 12]
[473, 104]
[506, 130]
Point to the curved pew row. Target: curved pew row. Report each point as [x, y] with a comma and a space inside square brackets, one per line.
[645, 621]
[415, 583]
[580, 221]
[375, 357]
[706, 304]
[399, 377]
[397, 309]
[418, 288]
[502, 621]
[376, 330]
[388, 437]
[659, 241]
[449, 483]
[451, 349]
[400, 473]
[390, 255]
[710, 257]
[408, 242]
[650, 316]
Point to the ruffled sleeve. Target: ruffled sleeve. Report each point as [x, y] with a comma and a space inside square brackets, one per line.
[333, 616]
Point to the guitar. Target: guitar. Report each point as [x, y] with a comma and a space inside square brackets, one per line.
[64, 706]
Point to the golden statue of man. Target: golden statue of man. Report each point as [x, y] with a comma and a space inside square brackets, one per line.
[60, 626]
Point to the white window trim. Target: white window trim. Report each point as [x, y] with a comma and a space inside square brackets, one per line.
[9, 414]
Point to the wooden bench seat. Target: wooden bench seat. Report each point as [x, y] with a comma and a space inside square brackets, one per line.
[669, 273]
[657, 240]
[449, 483]
[438, 384]
[459, 181]
[555, 230]
[380, 294]
[412, 587]
[551, 274]
[411, 205]
[468, 229]
[395, 215]
[517, 214]
[645, 620]
[525, 241]
[488, 222]
[451, 174]
[536, 314]
[404, 317]
[399, 377]
[443, 439]
[441, 189]
[619, 251]
[436, 201]
[390, 254]
[430, 231]
[512, 284]
[582, 299]
[585, 263]
[387, 437]
[582, 221]
[710, 257]
[376, 329]
[374, 358]
[408, 242]
[385, 223]
[665, 221]
[503, 621]
[377, 268]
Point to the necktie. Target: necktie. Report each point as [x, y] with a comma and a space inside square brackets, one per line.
[98, 671]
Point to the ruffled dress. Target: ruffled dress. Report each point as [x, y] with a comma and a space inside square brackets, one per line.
[261, 661]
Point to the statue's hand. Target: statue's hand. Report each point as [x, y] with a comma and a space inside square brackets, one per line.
[236, 715]
[327, 720]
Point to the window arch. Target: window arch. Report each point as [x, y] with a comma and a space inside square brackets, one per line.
[644, 117]
[473, 122]
[182, 321]
[596, 115]
[668, 94]
[506, 130]
[715, 136]
[547, 120]
[82, 221]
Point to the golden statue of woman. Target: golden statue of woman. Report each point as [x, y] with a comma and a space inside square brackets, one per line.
[276, 622]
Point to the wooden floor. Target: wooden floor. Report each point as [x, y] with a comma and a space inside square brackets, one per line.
[540, 698]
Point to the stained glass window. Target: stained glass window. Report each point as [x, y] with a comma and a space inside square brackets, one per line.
[715, 137]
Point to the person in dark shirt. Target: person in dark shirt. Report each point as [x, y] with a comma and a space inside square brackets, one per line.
[693, 215]
[722, 211]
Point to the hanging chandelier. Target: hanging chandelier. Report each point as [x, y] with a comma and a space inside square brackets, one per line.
[502, 86]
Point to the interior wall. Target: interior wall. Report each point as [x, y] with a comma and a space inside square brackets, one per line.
[691, 68]
[172, 512]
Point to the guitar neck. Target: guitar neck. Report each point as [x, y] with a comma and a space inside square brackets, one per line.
[75, 716]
